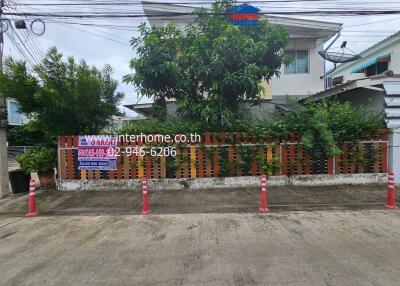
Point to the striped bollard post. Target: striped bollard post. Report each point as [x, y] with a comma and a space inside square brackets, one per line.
[145, 208]
[391, 195]
[263, 196]
[32, 211]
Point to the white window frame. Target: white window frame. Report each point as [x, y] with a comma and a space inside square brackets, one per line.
[295, 62]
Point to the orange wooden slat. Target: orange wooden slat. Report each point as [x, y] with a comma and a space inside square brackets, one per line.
[133, 160]
[292, 150]
[70, 170]
[200, 169]
[163, 167]
[230, 159]
[216, 156]
[185, 162]
[284, 159]
[384, 157]
[124, 160]
[345, 158]
[307, 162]
[178, 173]
[330, 165]
[362, 156]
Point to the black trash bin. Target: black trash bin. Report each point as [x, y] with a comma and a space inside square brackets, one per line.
[19, 181]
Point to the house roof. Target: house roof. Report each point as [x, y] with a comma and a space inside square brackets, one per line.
[364, 54]
[373, 82]
[160, 13]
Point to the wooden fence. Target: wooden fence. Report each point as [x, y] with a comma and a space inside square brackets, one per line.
[229, 155]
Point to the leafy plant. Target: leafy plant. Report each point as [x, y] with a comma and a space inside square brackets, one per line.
[324, 126]
[29, 135]
[62, 97]
[38, 160]
[208, 66]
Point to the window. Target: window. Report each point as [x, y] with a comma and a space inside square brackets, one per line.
[14, 114]
[377, 68]
[300, 63]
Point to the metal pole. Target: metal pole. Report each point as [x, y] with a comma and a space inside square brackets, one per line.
[4, 187]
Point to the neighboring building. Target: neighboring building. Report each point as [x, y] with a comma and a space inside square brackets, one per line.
[367, 92]
[121, 121]
[375, 60]
[14, 116]
[380, 93]
[300, 79]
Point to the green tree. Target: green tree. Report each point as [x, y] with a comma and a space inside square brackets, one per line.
[209, 66]
[62, 97]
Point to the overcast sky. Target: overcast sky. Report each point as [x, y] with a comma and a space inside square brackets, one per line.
[100, 46]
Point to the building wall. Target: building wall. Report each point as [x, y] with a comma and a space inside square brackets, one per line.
[370, 99]
[392, 48]
[14, 117]
[300, 85]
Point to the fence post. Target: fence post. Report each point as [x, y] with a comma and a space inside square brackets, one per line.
[394, 153]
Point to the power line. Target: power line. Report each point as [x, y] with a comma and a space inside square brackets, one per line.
[91, 33]
[17, 46]
[170, 14]
[30, 40]
[107, 3]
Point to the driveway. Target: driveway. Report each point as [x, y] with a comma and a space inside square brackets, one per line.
[279, 248]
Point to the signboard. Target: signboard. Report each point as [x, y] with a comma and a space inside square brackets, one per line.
[245, 15]
[97, 153]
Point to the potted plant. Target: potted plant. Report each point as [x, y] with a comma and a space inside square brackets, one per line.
[41, 160]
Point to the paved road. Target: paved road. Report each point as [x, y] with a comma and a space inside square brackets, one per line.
[239, 200]
[287, 248]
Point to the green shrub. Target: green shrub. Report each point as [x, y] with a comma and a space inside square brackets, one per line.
[29, 135]
[38, 160]
[325, 125]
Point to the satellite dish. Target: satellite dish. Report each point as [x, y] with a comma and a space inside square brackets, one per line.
[338, 55]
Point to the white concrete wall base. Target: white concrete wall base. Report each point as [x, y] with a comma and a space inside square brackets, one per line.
[219, 183]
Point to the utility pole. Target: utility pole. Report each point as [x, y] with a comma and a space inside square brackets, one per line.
[4, 188]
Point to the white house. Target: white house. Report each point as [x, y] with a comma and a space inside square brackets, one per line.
[14, 116]
[375, 60]
[298, 80]
[373, 82]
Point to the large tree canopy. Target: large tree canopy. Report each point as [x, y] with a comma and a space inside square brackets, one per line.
[62, 97]
[208, 66]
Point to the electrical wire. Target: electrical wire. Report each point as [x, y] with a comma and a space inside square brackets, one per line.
[30, 39]
[17, 46]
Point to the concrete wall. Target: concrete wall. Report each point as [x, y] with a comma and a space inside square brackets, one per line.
[371, 99]
[394, 154]
[218, 183]
[300, 85]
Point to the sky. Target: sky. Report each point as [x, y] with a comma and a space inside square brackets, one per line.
[106, 45]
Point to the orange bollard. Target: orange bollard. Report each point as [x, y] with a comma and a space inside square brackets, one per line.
[263, 197]
[145, 209]
[391, 195]
[32, 211]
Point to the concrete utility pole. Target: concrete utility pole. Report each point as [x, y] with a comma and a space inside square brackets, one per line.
[4, 188]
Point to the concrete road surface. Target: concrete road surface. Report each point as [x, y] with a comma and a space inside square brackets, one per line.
[293, 248]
